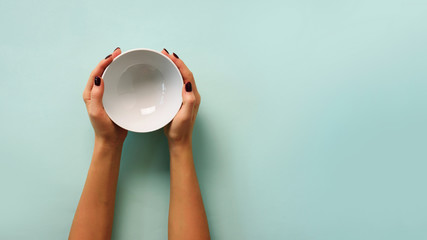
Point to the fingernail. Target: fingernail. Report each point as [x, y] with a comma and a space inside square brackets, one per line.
[175, 55]
[166, 50]
[97, 81]
[116, 48]
[188, 87]
[108, 56]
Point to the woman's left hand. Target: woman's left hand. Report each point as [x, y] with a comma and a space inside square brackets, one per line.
[105, 129]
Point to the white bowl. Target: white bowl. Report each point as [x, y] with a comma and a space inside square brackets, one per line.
[143, 90]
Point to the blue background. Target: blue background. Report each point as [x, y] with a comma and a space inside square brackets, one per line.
[312, 123]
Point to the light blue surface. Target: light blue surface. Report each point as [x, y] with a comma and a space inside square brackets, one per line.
[313, 122]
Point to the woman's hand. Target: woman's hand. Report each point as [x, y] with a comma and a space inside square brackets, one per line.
[187, 216]
[106, 130]
[179, 130]
[94, 214]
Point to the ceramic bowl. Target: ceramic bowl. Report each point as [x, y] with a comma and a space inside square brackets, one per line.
[143, 90]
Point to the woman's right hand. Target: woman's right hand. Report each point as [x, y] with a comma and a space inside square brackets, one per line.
[105, 130]
[179, 130]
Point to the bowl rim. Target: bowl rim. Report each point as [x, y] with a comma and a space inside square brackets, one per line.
[141, 49]
[156, 52]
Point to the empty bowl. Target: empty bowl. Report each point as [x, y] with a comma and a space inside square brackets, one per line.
[143, 90]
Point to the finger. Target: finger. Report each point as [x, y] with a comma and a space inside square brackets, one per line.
[116, 52]
[98, 71]
[97, 92]
[196, 107]
[102, 65]
[188, 101]
[165, 52]
[187, 75]
[88, 89]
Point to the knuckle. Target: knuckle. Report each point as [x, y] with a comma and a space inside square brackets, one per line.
[91, 114]
[95, 113]
[85, 99]
[186, 118]
[191, 100]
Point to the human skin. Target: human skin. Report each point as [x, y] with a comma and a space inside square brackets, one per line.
[187, 217]
[94, 215]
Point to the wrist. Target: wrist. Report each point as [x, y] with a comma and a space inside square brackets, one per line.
[106, 152]
[180, 147]
[108, 143]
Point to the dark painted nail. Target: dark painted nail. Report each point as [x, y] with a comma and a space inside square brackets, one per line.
[175, 55]
[97, 81]
[116, 48]
[108, 56]
[166, 50]
[188, 87]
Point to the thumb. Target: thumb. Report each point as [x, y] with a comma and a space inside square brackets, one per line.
[97, 91]
[188, 100]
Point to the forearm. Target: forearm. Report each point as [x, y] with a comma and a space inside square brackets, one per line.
[187, 217]
[94, 215]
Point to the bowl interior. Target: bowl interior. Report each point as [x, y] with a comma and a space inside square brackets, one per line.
[143, 90]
